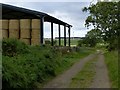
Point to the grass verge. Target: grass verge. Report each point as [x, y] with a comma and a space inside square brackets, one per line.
[84, 77]
[111, 59]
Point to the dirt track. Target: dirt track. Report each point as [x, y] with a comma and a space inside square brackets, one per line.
[101, 79]
[63, 80]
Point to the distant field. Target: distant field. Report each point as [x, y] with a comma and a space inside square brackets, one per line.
[73, 42]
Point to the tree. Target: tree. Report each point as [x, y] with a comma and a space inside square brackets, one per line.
[92, 38]
[104, 16]
[95, 33]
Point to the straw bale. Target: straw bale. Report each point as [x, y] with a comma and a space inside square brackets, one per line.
[0, 34]
[25, 40]
[14, 33]
[25, 33]
[0, 24]
[13, 24]
[25, 23]
[4, 33]
[35, 33]
[35, 23]
[4, 24]
[35, 41]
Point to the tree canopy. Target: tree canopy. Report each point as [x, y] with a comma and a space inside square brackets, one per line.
[105, 17]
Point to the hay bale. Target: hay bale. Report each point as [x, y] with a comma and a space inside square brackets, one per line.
[36, 24]
[35, 33]
[35, 41]
[25, 24]
[25, 33]
[0, 34]
[14, 33]
[0, 24]
[25, 40]
[13, 24]
[4, 24]
[4, 33]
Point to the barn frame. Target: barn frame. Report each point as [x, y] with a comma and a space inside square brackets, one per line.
[17, 13]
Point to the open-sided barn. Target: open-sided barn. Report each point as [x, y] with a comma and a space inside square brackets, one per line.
[27, 25]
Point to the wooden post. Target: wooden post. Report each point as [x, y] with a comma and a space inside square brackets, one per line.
[64, 35]
[69, 36]
[41, 29]
[51, 33]
[59, 34]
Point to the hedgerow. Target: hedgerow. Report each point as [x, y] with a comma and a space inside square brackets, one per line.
[23, 65]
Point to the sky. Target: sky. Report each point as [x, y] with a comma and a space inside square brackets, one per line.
[69, 12]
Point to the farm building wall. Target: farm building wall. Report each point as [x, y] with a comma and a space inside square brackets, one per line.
[26, 30]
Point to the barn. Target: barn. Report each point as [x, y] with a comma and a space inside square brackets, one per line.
[28, 25]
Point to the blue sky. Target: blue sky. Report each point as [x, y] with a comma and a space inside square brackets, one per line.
[70, 12]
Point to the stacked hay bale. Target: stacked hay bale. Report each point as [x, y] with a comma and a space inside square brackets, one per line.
[14, 28]
[35, 32]
[4, 29]
[25, 30]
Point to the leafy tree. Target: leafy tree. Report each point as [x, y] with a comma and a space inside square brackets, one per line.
[92, 38]
[80, 43]
[104, 16]
[94, 33]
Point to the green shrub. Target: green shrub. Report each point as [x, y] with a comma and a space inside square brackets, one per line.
[12, 47]
[24, 69]
[47, 42]
[80, 42]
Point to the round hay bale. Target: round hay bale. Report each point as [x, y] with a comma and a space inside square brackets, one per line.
[36, 24]
[35, 41]
[0, 24]
[14, 33]
[4, 33]
[35, 33]
[25, 23]
[0, 34]
[25, 33]
[25, 40]
[13, 24]
[4, 24]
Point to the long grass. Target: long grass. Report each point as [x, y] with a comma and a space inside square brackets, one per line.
[111, 59]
